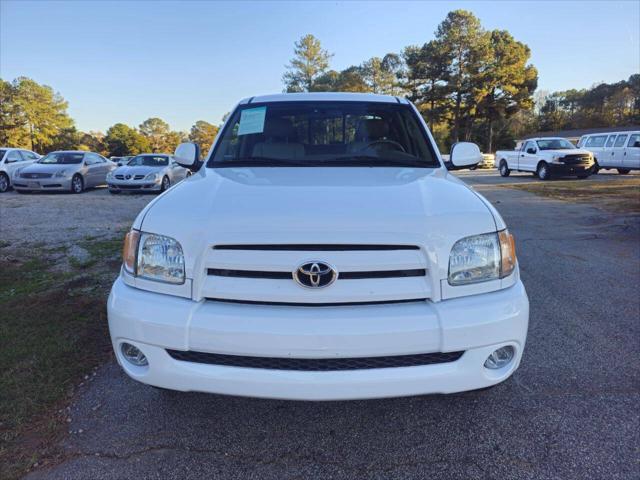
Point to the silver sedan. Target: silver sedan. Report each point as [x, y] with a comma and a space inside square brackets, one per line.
[147, 172]
[71, 171]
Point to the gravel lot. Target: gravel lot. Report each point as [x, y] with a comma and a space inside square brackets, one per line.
[63, 218]
[570, 411]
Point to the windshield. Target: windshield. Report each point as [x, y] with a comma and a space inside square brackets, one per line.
[555, 144]
[62, 158]
[314, 134]
[149, 161]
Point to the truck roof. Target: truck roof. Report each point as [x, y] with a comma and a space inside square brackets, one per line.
[324, 96]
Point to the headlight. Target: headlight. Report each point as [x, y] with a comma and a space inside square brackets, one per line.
[61, 173]
[481, 258]
[109, 175]
[151, 176]
[154, 257]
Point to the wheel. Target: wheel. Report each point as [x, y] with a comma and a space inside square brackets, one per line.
[166, 183]
[473, 168]
[504, 169]
[77, 184]
[544, 173]
[623, 171]
[4, 182]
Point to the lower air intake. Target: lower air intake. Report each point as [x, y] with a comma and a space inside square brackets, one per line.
[316, 364]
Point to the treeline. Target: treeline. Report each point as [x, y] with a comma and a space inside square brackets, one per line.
[33, 116]
[469, 84]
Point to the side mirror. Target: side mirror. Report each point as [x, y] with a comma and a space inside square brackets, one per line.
[188, 155]
[464, 155]
[531, 150]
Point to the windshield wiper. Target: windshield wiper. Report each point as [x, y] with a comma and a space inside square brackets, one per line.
[262, 162]
[373, 161]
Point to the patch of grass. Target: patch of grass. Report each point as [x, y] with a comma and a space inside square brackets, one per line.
[620, 195]
[53, 330]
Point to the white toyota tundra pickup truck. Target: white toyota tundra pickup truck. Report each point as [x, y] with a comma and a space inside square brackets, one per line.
[322, 252]
[546, 157]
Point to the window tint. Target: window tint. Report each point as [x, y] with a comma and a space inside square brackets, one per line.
[555, 144]
[620, 140]
[14, 156]
[62, 158]
[149, 161]
[634, 141]
[610, 140]
[596, 141]
[318, 133]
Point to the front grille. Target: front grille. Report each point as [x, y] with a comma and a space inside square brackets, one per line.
[138, 177]
[315, 364]
[298, 247]
[219, 272]
[576, 159]
[120, 177]
[135, 177]
[36, 175]
[316, 305]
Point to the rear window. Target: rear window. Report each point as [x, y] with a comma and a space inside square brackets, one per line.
[62, 158]
[313, 134]
[149, 161]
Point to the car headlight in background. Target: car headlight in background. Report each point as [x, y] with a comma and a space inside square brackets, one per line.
[154, 257]
[481, 258]
[152, 177]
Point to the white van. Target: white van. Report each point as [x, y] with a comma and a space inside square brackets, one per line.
[620, 150]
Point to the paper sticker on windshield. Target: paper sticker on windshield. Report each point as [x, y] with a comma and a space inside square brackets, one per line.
[252, 120]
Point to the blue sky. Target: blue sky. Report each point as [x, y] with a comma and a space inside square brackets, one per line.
[186, 61]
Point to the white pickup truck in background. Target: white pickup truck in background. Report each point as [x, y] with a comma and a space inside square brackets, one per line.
[546, 157]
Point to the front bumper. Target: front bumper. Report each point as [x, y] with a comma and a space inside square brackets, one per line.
[568, 169]
[476, 325]
[42, 184]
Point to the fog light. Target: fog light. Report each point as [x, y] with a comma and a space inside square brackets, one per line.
[133, 355]
[500, 357]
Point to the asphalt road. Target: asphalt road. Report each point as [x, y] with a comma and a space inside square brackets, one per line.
[572, 410]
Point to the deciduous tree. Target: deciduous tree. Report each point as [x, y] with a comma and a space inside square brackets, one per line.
[203, 133]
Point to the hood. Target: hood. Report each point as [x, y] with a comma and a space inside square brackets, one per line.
[575, 151]
[142, 170]
[426, 207]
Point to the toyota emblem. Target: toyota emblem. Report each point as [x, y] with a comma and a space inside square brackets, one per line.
[315, 274]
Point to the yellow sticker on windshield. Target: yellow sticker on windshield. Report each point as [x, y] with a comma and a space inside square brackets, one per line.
[252, 120]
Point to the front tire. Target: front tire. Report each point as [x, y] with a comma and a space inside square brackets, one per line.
[4, 182]
[543, 171]
[504, 169]
[166, 183]
[623, 171]
[77, 184]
